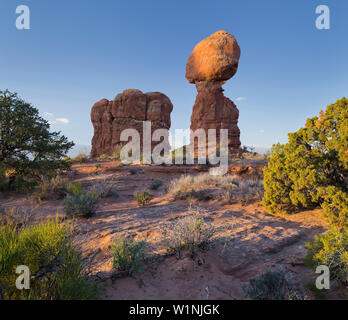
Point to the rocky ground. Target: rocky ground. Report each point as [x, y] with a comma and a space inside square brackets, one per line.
[247, 239]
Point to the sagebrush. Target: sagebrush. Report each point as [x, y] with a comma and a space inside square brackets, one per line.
[189, 233]
[128, 255]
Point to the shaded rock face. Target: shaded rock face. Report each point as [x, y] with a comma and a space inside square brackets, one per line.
[212, 62]
[127, 111]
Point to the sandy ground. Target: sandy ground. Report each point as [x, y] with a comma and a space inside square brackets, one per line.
[247, 240]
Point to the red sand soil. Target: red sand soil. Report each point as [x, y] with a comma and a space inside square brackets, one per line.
[248, 240]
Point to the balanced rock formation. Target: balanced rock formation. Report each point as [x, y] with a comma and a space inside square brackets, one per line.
[127, 111]
[212, 62]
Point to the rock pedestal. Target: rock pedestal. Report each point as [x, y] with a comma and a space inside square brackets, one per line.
[212, 62]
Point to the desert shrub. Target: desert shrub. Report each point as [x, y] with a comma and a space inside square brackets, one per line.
[81, 205]
[116, 153]
[104, 189]
[301, 173]
[189, 233]
[155, 184]
[230, 194]
[272, 285]
[102, 157]
[128, 255]
[200, 195]
[51, 188]
[74, 188]
[143, 197]
[55, 267]
[28, 149]
[80, 158]
[330, 249]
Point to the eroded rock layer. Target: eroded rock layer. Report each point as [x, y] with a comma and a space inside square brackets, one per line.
[127, 111]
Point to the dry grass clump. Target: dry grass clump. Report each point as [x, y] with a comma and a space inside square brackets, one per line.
[187, 183]
[16, 217]
[272, 285]
[80, 158]
[104, 189]
[189, 233]
[234, 188]
[243, 192]
[53, 188]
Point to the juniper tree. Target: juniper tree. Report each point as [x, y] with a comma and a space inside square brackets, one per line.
[27, 147]
[311, 169]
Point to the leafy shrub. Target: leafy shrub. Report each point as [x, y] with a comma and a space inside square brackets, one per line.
[330, 249]
[335, 206]
[188, 233]
[19, 183]
[155, 184]
[311, 169]
[143, 197]
[272, 285]
[55, 267]
[81, 205]
[74, 188]
[128, 255]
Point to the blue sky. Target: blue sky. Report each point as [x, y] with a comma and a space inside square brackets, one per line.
[78, 52]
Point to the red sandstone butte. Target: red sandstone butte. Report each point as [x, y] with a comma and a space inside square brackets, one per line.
[212, 62]
[127, 111]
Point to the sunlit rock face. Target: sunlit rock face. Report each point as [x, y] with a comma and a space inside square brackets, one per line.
[127, 111]
[213, 61]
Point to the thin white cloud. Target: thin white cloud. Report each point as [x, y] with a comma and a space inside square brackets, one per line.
[49, 114]
[241, 98]
[63, 120]
[262, 131]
